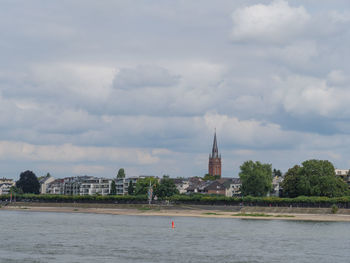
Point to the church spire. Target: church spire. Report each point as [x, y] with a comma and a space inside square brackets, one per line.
[215, 151]
[214, 166]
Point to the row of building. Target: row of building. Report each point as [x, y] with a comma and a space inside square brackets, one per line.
[88, 185]
[229, 187]
[85, 185]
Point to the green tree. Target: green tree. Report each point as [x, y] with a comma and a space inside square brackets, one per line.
[142, 185]
[113, 188]
[166, 187]
[209, 177]
[276, 173]
[256, 178]
[131, 188]
[15, 190]
[314, 178]
[121, 173]
[290, 182]
[28, 182]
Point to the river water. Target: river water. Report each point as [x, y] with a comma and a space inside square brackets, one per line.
[73, 237]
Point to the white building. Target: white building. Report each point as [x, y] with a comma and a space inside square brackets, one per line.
[55, 187]
[80, 185]
[93, 186]
[234, 189]
[122, 184]
[5, 185]
[341, 172]
[44, 183]
[182, 185]
[7, 181]
[276, 186]
[5, 189]
[71, 185]
[344, 174]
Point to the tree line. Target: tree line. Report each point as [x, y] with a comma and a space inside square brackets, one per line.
[311, 178]
[192, 199]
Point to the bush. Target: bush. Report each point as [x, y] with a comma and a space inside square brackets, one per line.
[194, 199]
[334, 209]
[79, 198]
[300, 201]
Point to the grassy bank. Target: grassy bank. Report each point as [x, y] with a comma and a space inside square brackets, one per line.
[173, 211]
[214, 210]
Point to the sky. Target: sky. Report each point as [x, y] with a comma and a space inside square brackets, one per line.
[88, 87]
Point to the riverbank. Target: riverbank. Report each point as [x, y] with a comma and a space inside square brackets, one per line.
[266, 213]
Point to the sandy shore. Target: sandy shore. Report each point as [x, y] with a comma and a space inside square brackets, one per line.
[174, 212]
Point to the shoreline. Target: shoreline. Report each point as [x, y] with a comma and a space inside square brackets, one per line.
[181, 212]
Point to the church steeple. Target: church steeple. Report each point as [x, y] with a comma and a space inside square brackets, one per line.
[215, 151]
[214, 168]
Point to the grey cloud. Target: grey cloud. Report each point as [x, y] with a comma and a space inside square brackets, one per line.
[338, 78]
[149, 75]
[144, 76]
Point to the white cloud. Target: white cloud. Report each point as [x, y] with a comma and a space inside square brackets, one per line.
[282, 24]
[250, 133]
[89, 169]
[302, 96]
[277, 22]
[85, 80]
[63, 82]
[71, 153]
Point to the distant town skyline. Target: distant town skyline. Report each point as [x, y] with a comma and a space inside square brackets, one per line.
[88, 87]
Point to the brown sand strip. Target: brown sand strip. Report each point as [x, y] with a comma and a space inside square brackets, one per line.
[184, 212]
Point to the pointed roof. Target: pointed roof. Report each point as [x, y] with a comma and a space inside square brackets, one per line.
[215, 151]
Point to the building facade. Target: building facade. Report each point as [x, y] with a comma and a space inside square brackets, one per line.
[216, 187]
[95, 186]
[44, 183]
[80, 185]
[55, 187]
[5, 186]
[182, 184]
[122, 184]
[343, 174]
[234, 189]
[214, 167]
[276, 186]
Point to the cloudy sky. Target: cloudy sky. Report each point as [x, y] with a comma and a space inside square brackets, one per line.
[87, 87]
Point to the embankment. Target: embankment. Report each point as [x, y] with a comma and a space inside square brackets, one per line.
[270, 213]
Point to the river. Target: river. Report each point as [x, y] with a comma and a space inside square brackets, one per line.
[74, 237]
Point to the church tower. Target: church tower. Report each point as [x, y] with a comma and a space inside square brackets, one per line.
[215, 160]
